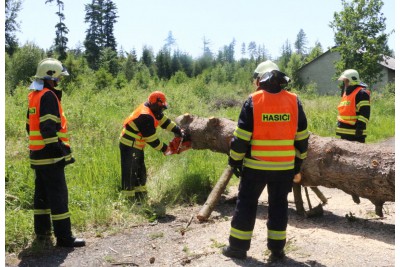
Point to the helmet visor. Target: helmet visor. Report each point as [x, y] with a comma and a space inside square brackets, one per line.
[64, 71]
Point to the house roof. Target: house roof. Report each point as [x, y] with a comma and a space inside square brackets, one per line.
[388, 62]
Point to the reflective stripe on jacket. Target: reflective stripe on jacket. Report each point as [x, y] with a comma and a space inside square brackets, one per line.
[347, 108]
[36, 140]
[275, 126]
[135, 138]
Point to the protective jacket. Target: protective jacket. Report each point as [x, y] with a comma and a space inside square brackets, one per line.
[354, 112]
[139, 128]
[272, 140]
[47, 128]
[275, 126]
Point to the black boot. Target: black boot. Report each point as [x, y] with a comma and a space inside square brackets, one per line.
[230, 252]
[70, 242]
[276, 255]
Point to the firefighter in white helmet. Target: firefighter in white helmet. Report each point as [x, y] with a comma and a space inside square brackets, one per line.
[50, 152]
[354, 108]
[268, 147]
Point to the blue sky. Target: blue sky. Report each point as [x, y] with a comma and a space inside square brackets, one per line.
[140, 23]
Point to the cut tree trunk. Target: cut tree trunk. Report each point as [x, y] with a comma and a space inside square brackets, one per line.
[363, 170]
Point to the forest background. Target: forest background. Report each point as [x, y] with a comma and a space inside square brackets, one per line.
[105, 85]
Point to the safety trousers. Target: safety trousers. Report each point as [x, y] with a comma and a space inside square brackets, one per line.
[360, 139]
[252, 184]
[51, 202]
[133, 171]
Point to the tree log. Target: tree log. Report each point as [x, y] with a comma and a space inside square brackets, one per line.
[215, 194]
[364, 170]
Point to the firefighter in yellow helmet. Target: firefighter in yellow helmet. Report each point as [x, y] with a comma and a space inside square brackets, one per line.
[139, 129]
[268, 147]
[50, 152]
[354, 107]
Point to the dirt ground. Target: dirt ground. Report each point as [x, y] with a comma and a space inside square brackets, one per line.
[348, 234]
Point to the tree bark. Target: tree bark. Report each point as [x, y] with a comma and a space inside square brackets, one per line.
[364, 170]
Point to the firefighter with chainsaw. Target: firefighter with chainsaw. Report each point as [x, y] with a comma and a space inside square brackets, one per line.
[269, 144]
[50, 152]
[354, 107]
[139, 129]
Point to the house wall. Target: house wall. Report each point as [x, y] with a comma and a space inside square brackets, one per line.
[322, 72]
[388, 76]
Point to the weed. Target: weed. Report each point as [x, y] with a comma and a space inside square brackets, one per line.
[351, 217]
[153, 236]
[216, 244]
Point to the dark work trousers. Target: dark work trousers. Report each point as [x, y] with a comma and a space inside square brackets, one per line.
[360, 139]
[51, 196]
[252, 184]
[133, 169]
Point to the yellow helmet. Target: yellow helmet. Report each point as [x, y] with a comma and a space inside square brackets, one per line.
[351, 75]
[50, 69]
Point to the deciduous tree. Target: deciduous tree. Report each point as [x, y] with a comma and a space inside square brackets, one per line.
[12, 7]
[360, 38]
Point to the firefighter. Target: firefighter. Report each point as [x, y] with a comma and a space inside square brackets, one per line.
[354, 108]
[139, 129]
[50, 152]
[268, 147]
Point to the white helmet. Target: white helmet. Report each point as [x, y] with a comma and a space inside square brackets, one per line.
[266, 70]
[264, 67]
[50, 69]
[351, 75]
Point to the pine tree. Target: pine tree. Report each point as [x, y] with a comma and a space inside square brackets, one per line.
[252, 49]
[109, 18]
[170, 41]
[285, 57]
[101, 16]
[61, 39]
[300, 43]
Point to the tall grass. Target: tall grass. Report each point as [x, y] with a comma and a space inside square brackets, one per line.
[95, 119]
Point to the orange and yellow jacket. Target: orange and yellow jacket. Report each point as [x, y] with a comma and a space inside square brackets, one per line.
[140, 128]
[47, 129]
[353, 111]
[272, 133]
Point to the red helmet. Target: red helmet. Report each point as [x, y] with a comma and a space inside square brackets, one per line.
[159, 98]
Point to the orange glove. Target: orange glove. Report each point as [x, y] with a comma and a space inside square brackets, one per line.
[297, 178]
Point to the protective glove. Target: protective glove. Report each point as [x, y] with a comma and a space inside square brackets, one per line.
[169, 151]
[237, 166]
[70, 161]
[297, 178]
[178, 132]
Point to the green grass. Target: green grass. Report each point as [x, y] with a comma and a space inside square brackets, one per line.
[95, 119]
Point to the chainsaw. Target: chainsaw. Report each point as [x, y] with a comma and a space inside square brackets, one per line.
[179, 144]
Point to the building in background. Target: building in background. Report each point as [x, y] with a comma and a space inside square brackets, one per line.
[321, 72]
